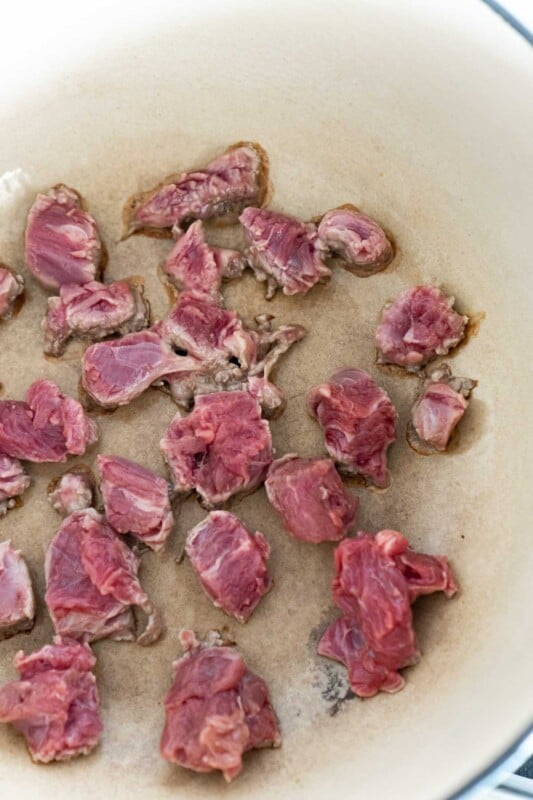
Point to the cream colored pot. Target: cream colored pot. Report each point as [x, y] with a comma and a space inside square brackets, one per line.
[420, 113]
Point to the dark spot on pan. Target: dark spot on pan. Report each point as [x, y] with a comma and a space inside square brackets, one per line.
[331, 678]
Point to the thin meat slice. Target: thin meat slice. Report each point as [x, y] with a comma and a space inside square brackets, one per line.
[230, 562]
[55, 704]
[418, 326]
[116, 372]
[234, 180]
[74, 490]
[201, 327]
[313, 502]
[11, 291]
[49, 426]
[62, 241]
[216, 710]
[14, 481]
[358, 240]
[193, 265]
[92, 583]
[438, 409]
[17, 605]
[136, 500]
[359, 422]
[94, 311]
[283, 251]
[221, 448]
[376, 580]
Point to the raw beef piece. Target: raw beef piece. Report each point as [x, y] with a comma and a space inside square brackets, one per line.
[199, 327]
[230, 562]
[438, 409]
[193, 265]
[11, 288]
[221, 448]
[17, 606]
[136, 500]
[62, 240]
[94, 311]
[47, 427]
[116, 372]
[357, 239]
[236, 179]
[55, 703]
[376, 580]
[359, 422]
[13, 482]
[216, 710]
[314, 504]
[283, 251]
[418, 326]
[74, 490]
[92, 584]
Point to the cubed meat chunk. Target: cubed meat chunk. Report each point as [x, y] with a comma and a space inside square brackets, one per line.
[216, 710]
[55, 704]
[283, 251]
[92, 583]
[221, 448]
[358, 420]
[49, 426]
[17, 605]
[14, 481]
[116, 372]
[94, 311]
[358, 240]
[62, 240]
[438, 409]
[230, 562]
[136, 500]
[11, 291]
[200, 327]
[418, 326]
[234, 180]
[74, 490]
[376, 580]
[192, 265]
[313, 502]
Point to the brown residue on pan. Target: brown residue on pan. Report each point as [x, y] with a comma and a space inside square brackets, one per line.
[77, 469]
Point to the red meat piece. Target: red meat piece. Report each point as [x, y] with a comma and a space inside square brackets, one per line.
[283, 251]
[234, 180]
[136, 500]
[14, 481]
[439, 408]
[17, 605]
[55, 703]
[230, 562]
[359, 422]
[314, 504]
[62, 240]
[116, 372]
[11, 287]
[207, 331]
[418, 326]
[359, 240]
[376, 580]
[221, 448]
[92, 584]
[72, 491]
[193, 265]
[216, 710]
[49, 426]
[94, 311]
